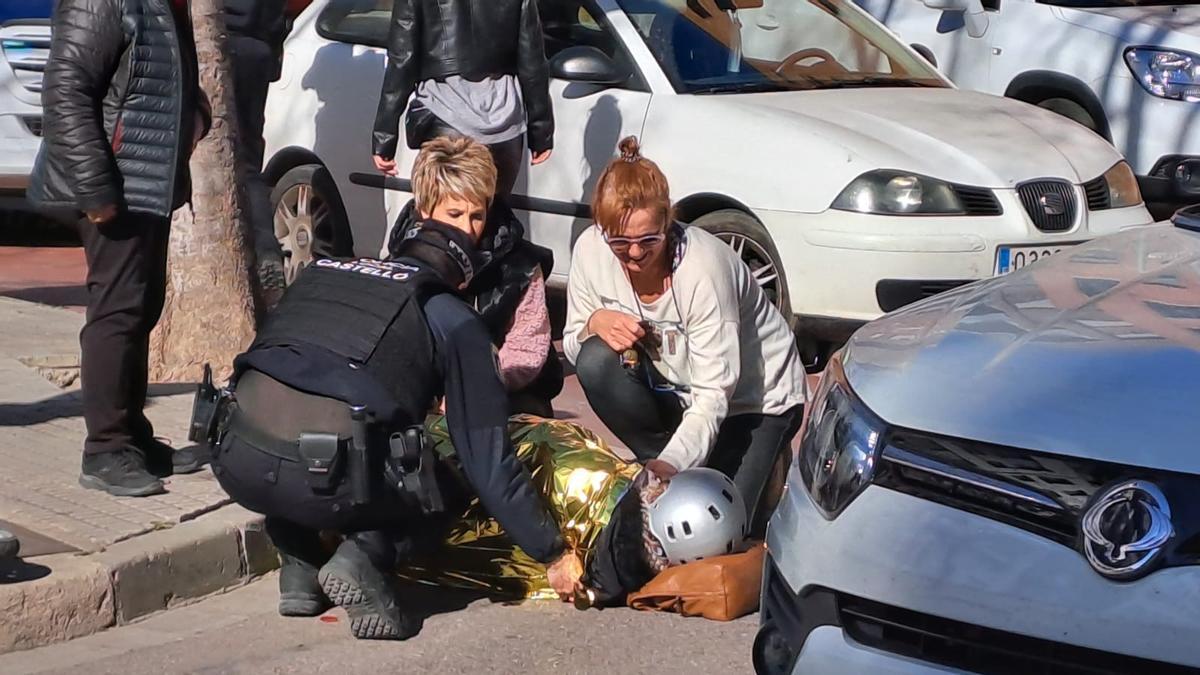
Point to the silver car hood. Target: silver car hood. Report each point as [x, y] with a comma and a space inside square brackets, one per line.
[1093, 353]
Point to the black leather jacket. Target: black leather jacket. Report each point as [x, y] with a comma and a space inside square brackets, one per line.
[120, 97]
[434, 39]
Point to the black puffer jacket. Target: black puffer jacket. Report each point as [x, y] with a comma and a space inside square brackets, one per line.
[434, 39]
[509, 264]
[120, 96]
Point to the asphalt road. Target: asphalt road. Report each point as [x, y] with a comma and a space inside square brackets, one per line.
[240, 633]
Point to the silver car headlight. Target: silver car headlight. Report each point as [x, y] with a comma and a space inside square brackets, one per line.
[897, 193]
[839, 446]
[1166, 73]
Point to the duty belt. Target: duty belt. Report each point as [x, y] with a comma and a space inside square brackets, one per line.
[329, 459]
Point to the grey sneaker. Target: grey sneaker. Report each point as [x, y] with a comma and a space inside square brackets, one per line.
[121, 473]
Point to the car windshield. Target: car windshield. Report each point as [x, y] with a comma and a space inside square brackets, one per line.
[732, 46]
[1083, 4]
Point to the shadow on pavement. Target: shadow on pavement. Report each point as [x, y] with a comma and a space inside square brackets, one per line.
[56, 296]
[18, 571]
[70, 404]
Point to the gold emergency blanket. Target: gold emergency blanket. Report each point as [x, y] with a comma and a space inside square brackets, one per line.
[578, 476]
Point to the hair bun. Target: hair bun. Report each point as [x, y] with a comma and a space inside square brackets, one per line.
[631, 151]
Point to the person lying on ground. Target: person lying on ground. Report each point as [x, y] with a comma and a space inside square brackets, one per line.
[602, 504]
[676, 346]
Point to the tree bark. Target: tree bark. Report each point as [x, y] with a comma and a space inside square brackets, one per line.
[211, 305]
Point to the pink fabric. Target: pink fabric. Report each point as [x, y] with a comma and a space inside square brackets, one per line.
[528, 340]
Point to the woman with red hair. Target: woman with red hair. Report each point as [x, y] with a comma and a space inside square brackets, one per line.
[676, 347]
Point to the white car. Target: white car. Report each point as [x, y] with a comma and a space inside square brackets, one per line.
[24, 48]
[849, 173]
[1128, 69]
[1001, 480]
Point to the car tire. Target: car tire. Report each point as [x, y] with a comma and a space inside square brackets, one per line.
[749, 238]
[310, 220]
[1070, 109]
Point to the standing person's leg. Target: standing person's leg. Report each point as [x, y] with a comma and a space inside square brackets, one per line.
[154, 294]
[642, 418]
[508, 157]
[746, 450]
[112, 345]
[253, 63]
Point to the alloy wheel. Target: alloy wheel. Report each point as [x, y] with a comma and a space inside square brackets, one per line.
[762, 268]
[301, 226]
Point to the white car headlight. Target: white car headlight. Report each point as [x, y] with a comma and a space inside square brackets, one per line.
[1166, 73]
[897, 193]
[1123, 187]
[839, 444]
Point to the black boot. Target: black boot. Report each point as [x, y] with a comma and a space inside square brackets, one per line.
[121, 473]
[300, 556]
[360, 583]
[163, 460]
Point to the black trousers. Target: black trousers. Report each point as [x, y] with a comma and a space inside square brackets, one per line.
[254, 66]
[747, 446]
[126, 283]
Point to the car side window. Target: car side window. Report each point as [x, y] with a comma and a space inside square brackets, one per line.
[358, 22]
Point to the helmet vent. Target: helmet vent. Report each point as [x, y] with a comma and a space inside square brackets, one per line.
[687, 529]
[671, 532]
[729, 546]
[728, 497]
[715, 513]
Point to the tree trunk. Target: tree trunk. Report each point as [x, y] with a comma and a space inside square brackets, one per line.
[211, 296]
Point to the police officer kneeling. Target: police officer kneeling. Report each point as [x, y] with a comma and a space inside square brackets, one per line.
[322, 429]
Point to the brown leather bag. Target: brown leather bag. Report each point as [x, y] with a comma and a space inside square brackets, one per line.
[722, 588]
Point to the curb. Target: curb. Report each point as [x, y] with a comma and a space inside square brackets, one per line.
[74, 595]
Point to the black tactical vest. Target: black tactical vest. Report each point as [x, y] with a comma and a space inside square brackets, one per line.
[354, 330]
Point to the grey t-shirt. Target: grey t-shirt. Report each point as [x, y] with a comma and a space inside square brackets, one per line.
[490, 110]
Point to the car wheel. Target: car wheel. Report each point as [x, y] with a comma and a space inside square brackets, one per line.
[1071, 110]
[310, 222]
[752, 243]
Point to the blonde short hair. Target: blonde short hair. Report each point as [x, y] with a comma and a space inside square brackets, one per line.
[456, 167]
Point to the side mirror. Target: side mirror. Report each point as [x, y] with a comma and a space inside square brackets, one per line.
[586, 64]
[926, 53]
[975, 18]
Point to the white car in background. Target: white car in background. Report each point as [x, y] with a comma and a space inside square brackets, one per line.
[852, 177]
[1127, 69]
[24, 48]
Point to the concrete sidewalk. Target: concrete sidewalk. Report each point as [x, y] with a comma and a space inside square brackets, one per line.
[91, 560]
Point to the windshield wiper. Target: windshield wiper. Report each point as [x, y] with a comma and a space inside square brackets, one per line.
[742, 88]
[874, 82]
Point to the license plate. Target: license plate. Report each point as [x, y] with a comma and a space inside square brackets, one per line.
[1011, 258]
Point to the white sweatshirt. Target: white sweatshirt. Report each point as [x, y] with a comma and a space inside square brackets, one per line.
[731, 346]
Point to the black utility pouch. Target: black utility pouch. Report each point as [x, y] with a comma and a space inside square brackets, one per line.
[323, 457]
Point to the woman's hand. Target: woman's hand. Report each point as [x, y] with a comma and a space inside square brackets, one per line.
[565, 574]
[619, 331]
[662, 469]
[387, 166]
[539, 157]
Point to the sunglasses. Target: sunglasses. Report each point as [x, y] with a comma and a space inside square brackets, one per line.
[621, 245]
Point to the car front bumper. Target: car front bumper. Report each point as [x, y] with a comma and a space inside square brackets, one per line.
[948, 571]
[835, 261]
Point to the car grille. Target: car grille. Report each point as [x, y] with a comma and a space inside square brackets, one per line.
[26, 48]
[978, 649]
[1051, 204]
[1097, 194]
[978, 201]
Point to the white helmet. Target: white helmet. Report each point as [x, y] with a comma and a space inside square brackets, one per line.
[699, 515]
